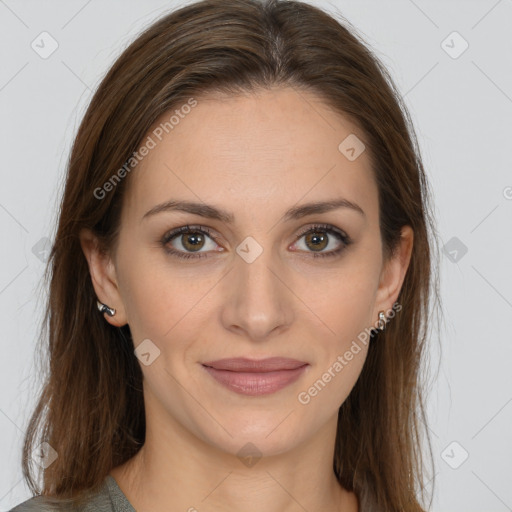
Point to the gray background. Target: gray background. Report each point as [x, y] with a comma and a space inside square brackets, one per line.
[462, 109]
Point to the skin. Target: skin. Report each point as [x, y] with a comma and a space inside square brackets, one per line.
[255, 155]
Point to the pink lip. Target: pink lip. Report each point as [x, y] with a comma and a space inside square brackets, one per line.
[256, 377]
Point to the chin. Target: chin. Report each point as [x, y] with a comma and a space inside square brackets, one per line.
[265, 434]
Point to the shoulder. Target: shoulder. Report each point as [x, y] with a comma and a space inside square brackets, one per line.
[35, 503]
[42, 504]
[97, 502]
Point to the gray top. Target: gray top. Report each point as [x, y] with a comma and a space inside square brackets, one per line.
[109, 498]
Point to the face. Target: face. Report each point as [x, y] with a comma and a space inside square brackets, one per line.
[260, 284]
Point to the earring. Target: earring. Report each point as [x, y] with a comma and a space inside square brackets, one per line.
[105, 309]
[382, 320]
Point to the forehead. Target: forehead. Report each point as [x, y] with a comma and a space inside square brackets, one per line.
[252, 150]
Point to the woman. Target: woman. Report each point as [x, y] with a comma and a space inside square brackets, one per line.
[240, 280]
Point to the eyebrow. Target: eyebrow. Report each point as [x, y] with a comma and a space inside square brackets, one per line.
[212, 212]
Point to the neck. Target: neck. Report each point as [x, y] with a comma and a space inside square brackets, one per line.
[181, 472]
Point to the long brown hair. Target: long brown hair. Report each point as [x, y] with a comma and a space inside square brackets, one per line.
[91, 407]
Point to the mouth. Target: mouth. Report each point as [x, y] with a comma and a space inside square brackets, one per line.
[256, 377]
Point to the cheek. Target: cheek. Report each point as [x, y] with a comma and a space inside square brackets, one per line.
[160, 295]
[342, 301]
[151, 296]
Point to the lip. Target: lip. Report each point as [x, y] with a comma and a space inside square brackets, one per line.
[256, 377]
[243, 364]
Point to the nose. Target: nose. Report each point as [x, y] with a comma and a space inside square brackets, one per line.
[257, 301]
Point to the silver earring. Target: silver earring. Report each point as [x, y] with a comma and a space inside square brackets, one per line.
[382, 320]
[105, 309]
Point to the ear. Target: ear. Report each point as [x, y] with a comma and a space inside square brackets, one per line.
[103, 276]
[393, 273]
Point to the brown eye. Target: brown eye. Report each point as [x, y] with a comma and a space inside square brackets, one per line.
[319, 237]
[317, 241]
[193, 241]
[183, 242]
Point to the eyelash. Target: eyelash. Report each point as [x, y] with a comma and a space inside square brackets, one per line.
[324, 228]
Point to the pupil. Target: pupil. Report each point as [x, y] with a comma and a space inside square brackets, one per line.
[193, 240]
[315, 238]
